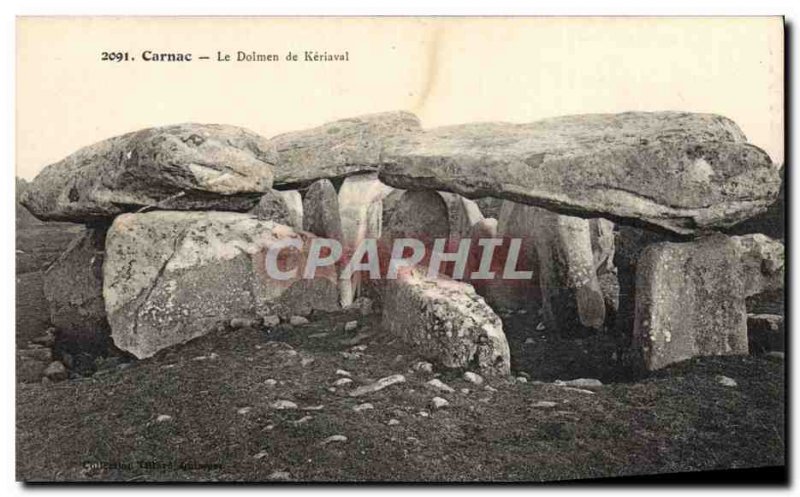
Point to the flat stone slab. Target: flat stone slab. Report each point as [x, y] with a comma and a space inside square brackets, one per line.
[446, 321]
[689, 302]
[339, 148]
[681, 172]
[179, 167]
[172, 276]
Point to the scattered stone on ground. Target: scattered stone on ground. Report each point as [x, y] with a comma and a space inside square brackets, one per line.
[280, 476]
[588, 383]
[334, 438]
[423, 366]
[363, 407]
[56, 371]
[393, 422]
[284, 404]
[438, 384]
[726, 381]
[473, 378]
[298, 320]
[342, 382]
[439, 402]
[260, 455]
[162, 418]
[271, 321]
[378, 385]
[244, 410]
[270, 382]
[544, 404]
[350, 326]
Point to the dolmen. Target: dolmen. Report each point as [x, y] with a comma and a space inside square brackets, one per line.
[616, 222]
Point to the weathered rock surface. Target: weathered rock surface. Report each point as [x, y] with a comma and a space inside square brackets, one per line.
[73, 286]
[422, 215]
[446, 321]
[321, 210]
[689, 301]
[179, 167]
[339, 148]
[378, 385]
[571, 293]
[172, 276]
[294, 202]
[763, 263]
[681, 172]
[272, 207]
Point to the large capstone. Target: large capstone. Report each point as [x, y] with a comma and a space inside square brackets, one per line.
[339, 148]
[689, 302]
[179, 167]
[447, 322]
[73, 286]
[681, 172]
[172, 276]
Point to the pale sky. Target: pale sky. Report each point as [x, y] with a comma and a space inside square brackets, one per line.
[446, 70]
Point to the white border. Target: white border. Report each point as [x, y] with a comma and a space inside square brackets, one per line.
[11, 9]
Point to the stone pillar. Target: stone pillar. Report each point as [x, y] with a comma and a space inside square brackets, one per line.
[689, 302]
[571, 294]
[360, 210]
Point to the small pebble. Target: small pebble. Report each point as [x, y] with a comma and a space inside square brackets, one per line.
[284, 404]
[261, 455]
[438, 384]
[342, 372]
[350, 326]
[726, 381]
[473, 378]
[298, 320]
[342, 382]
[270, 382]
[544, 404]
[334, 438]
[271, 321]
[439, 402]
[163, 418]
[522, 379]
[363, 407]
[244, 410]
[393, 422]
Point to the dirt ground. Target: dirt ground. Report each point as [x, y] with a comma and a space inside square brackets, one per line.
[219, 393]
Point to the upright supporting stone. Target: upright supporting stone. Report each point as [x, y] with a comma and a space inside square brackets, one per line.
[419, 214]
[321, 210]
[462, 214]
[689, 302]
[446, 322]
[172, 276]
[360, 210]
[516, 221]
[294, 202]
[571, 294]
[73, 286]
[272, 207]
